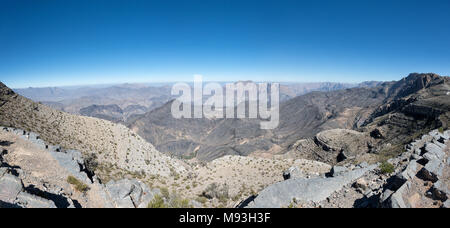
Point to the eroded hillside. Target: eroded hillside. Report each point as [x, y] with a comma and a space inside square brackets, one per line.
[398, 111]
[111, 145]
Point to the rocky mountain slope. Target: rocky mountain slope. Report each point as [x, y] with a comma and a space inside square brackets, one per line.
[413, 105]
[135, 99]
[361, 132]
[99, 101]
[417, 178]
[29, 182]
[96, 153]
[107, 143]
[34, 174]
[112, 113]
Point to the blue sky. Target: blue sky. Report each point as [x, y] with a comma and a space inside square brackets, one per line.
[53, 43]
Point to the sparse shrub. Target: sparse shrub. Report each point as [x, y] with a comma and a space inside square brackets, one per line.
[157, 202]
[91, 162]
[201, 200]
[178, 202]
[165, 192]
[79, 186]
[387, 168]
[215, 191]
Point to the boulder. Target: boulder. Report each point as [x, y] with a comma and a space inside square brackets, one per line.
[440, 191]
[433, 151]
[360, 184]
[312, 190]
[342, 156]
[72, 165]
[293, 173]
[410, 171]
[396, 199]
[439, 144]
[337, 170]
[446, 135]
[432, 170]
[129, 193]
[120, 193]
[386, 195]
[27, 200]
[10, 186]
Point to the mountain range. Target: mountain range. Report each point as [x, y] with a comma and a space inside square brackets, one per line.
[338, 135]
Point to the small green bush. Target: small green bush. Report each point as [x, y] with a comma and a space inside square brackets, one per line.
[79, 186]
[387, 168]
[157, 202]
[165, 192]
[201, 199]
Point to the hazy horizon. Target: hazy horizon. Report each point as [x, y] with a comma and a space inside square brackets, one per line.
[168, 83]
[66, 43]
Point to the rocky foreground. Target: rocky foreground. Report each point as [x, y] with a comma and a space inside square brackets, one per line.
[34, 174]
[418, 178]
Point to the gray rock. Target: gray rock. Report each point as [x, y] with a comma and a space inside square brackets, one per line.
[337, 170]
[76, 156]
[360, 184]
[416, 157]
[439, 144]
[410, 171]
[446, 135]
[433, 151]
[71, 165]
[440, 191]
[3, 170]
[446, 204]
[396, 199]
[147, 195]
[440, 136]
[54, 148]
[129, 193]
[363, 165]
[104, 195]
[10, 186]
[33, 136]
[432, 170]
[386, 195]
[293, 173]
[313, 190]
[31, 201]
[120, 193]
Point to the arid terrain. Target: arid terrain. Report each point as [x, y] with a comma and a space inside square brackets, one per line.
[337, 145]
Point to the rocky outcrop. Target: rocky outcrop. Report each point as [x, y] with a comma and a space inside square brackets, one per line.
[419, 177]
[314, 190]
[334, 146]
[111, 143]
[12, 193]
[425, 180]
[127, 193]
[38, 193]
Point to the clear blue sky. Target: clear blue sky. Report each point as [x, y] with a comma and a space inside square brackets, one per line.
[65, 42]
